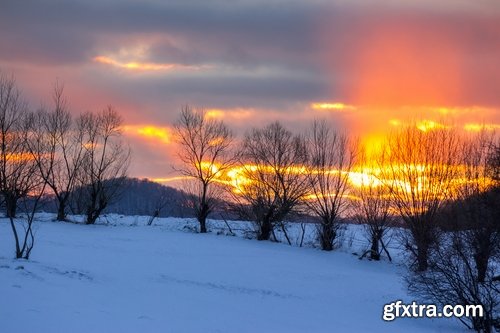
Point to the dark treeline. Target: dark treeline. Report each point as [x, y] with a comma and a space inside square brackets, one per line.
[135, 197]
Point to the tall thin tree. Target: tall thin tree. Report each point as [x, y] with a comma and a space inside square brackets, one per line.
[105, 161]
[205, 152]
[19, 176]
[331, 158]
[64, 149]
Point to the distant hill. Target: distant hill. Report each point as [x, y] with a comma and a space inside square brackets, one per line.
[136, 197]
[144, 197]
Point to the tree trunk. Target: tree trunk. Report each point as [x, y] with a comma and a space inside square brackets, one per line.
[93, 215]
[61, 211]
[483, 325]
[10, 206]
[19, 254]
[422, 258]
[203, 225]
[374, 251]
[91, 218]
[202, 217]
[422, 232]
[481, 266]
[265, 230]
[327, 236]
[94, 209]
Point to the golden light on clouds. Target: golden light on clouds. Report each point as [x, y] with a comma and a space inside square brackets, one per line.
[444, 111]
[162, 134]
[238, 178]
[395, 122]
[424, 125]
[429, 125]
[363, 178]
[19, 157]
[232, 114]
[373, 144]
[460, 110]
[142, 66]
[215, 113]
[332, 107]
[476, 127]
[168, 179]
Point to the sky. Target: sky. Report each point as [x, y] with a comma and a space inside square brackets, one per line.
[367, 66]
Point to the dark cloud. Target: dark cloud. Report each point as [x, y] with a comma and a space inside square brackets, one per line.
[212, 32]
[323, 41]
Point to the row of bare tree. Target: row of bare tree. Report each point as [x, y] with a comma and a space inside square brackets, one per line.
[270, 171]
[441, 187]
[49, 152]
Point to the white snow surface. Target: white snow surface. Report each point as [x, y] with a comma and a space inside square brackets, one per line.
[124, 276]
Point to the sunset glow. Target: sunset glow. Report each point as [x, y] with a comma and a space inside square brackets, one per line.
[141, 66]
[332, 106]
[235, 115]
[249, 165]
[360, 177]
[367, 69]
[152, 132]
[429, 125]
[471, 127]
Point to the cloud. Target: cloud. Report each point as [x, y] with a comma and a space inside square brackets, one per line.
[251, 62]
[150, 132]
[142, 66]
[332, 106]
[476, 127]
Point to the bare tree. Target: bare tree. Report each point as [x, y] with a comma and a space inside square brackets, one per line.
[464, 266]
[205, 153]
[331, 158]
[272, 181]
[371, 207]
[476, 210]
[38, 154]
[16, 164]
[19, 176]
[105, 161]
[64, 148]
[421, 175]
[493, 163]
[452, 279]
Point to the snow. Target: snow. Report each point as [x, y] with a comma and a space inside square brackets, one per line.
[124, 276]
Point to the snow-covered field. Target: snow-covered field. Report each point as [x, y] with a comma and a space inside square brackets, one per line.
[128, 277]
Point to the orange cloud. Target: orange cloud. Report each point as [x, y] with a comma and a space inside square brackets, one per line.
[162, 134]
[395, 122]
[424, 125]
[233, 114]
[215, 113]
[142, 66]
[332, 107]
[168, 179]
[429, 125]
[475, 127]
